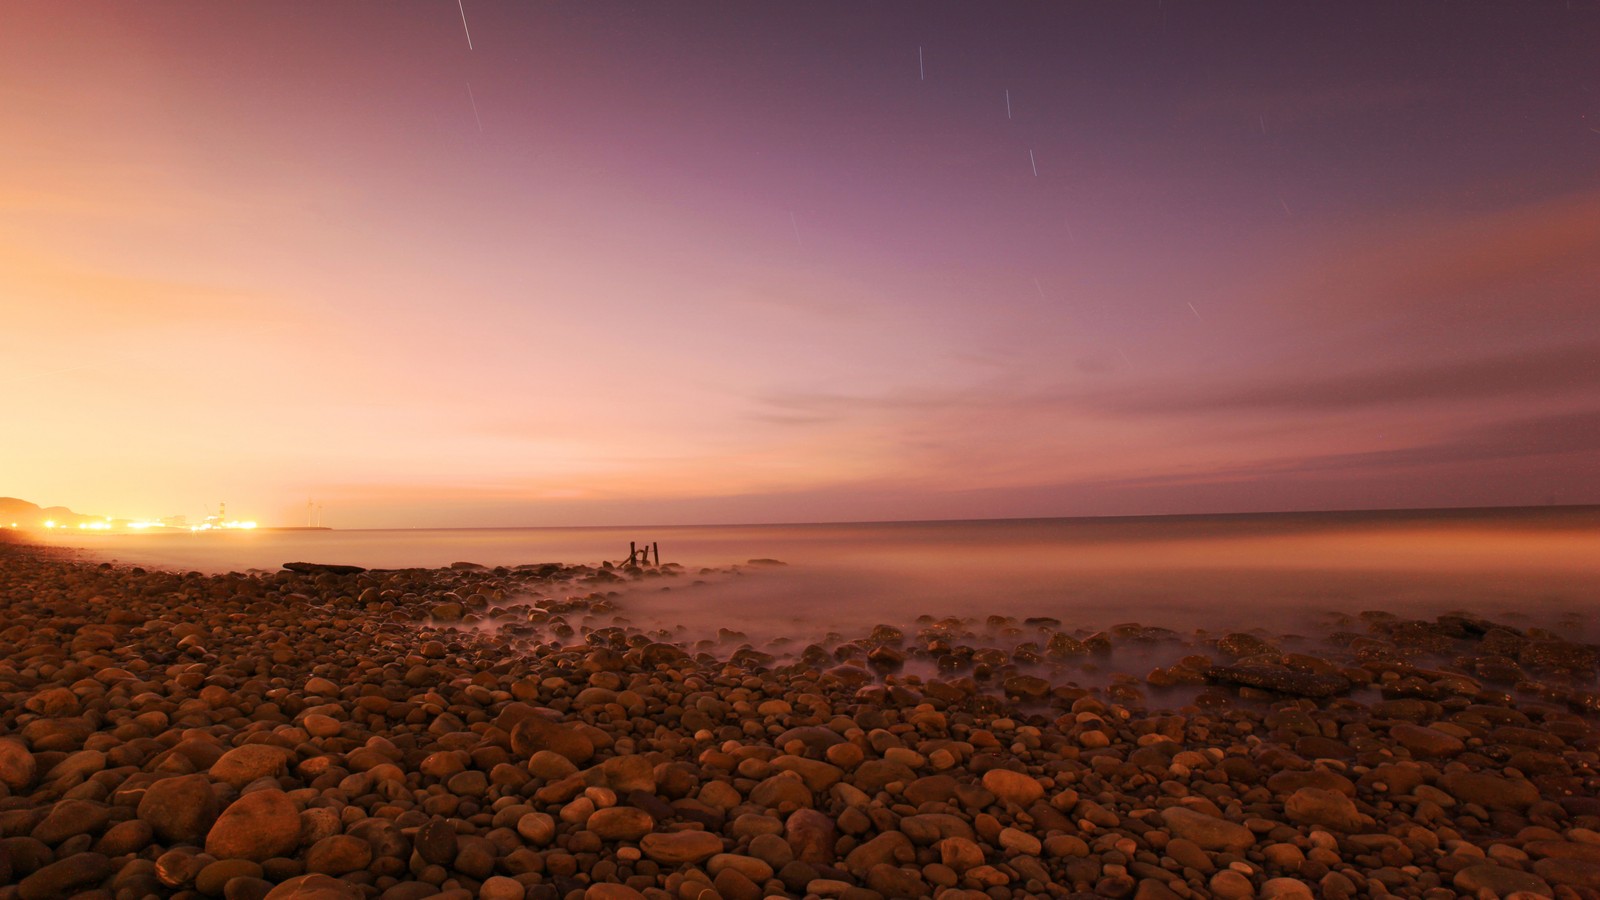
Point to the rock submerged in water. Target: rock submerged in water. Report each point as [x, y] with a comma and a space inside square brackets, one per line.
[307, 568]
[1280, 680]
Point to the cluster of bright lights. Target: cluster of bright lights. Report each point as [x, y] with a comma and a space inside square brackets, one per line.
[107, 525]
[221, 526]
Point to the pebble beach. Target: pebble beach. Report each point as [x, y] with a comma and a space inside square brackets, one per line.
[326, 731]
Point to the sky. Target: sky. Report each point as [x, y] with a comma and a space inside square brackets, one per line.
[509, 263]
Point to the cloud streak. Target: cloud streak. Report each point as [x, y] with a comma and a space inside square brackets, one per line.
[1540, 373]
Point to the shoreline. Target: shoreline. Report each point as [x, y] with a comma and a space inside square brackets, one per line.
[503, 733]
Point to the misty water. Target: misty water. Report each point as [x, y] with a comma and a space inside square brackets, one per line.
[1281, 573]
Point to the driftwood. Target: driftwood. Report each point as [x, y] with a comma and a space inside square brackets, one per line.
[640, 556]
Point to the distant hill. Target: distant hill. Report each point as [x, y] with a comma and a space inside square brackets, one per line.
[32, 515]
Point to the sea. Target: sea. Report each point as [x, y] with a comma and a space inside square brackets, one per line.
[1281, 573]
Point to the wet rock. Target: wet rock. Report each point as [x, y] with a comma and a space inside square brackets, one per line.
[306, 568]
[1239, 645]
[1280, 680]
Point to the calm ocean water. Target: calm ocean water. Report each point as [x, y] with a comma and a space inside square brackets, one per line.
[1281, 571]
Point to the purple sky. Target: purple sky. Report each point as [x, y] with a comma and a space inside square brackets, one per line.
[786, 262]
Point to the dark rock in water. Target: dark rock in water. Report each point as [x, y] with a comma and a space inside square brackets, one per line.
[1502, 641]
[1464, 626]
[886, 634]
[1497, 669]
[1062, 644]
[1283, 681]
[886, 657]
[1239, 645]
[306, 568]
[1026, 687]
[766, 562]
[1562, 656]
[469, 567]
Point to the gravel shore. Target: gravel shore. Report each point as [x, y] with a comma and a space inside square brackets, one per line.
[327, 732]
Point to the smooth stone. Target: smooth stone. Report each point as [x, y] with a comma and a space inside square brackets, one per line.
[1207, 832]
[259, 826]
[181, 809]
[1426, 742]
[63, 877]
[620, 823]
[1286, 889]
[499, 887]
[1314, 806]
[214, 877]
[1492, 791]
[611, 891]
[242, 765]
[1231, 885]
[1574, 872]
[315, 887]
[812, 836]
[1012, 787]
[69, 818]
[338, 854]
[678, 847]
[1499, 879]
[18, 768]
[536, 733]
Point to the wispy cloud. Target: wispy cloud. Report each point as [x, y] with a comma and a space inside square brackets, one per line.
[1541, 372]
[96, 297]
[1505, 441]
[1451, 277]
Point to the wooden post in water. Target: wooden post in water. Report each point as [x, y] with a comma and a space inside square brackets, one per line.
[633, 552]
[657, 548]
